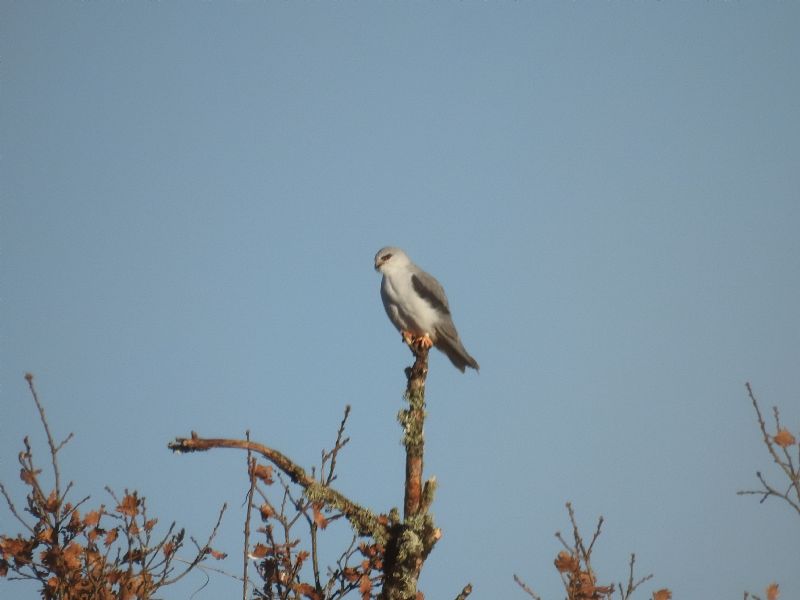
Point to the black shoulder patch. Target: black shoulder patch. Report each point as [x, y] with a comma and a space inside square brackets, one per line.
[429, 295]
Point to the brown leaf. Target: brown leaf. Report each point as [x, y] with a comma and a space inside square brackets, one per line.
[92, 534]
[168, 548]
[350, 574]
[3, 568]
[321, 521]
[45, 535]
[784, 439]
[52, 503]
[662, 594]
[92, 518]
[772, 590]
[307, 590]
[21, 550]
[72, 556]
[111, 537]
[29, 476]
[217, 554]
[365, 587]
[129, 505]
[75, 524]
[266, 511]
[260, 551]
[148, 525]
[566, 562]
[262, 472]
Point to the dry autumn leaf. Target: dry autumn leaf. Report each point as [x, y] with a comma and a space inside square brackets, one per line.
[307, 590]
[321, 521]
[111, 537]
[263, 472]
[72, 556]
[52, 503]
[75, 523]
[773, 591]
[260, 551]
[662, 594]
[365, 587]
[784, 438]
[45, 535]
[266, 511]
[566, 562]
[168, 548]
[129, 505]
[92, 518]
[29, 476]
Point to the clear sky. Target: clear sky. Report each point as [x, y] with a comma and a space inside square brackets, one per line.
[193, 192]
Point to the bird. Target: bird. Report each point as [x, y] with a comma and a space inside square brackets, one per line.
[417, 305]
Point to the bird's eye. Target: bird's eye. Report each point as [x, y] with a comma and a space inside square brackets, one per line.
[386, 257]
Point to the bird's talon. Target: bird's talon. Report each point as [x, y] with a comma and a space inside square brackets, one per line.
[425, 341]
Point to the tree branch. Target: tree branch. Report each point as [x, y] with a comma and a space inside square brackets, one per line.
[363, 521]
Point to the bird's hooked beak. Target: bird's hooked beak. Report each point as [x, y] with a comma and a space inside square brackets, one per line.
[380, 260]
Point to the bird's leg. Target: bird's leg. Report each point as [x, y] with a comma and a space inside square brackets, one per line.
[424, 341]
[417, 341]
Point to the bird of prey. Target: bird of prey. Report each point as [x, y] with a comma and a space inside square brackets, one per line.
[417, 306]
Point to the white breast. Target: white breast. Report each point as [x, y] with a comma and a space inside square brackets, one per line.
[407, 309]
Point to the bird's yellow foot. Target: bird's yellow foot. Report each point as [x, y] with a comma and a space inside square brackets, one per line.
[417, 341]
[424, 341]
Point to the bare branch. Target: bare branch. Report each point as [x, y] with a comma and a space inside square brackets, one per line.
[364, 522]
[526, 589]
[466, 591]
[246, 551]
[786, 464]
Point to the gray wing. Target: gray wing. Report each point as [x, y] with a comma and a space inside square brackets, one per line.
[431, 290]
[446, 336]
[447, 341]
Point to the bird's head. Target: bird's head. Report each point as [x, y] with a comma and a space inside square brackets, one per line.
[390, 258]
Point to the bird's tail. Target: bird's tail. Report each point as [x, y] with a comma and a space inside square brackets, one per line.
[452, 347]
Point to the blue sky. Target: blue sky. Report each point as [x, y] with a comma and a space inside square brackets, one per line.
[192, 195]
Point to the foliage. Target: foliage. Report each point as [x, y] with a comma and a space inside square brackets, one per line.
[280, 557]
[106, 553]
[574, 564]
[781, 445]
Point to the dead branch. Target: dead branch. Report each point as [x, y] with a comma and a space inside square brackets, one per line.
[778, 446]
[526, 588]
[466, 591]
[363, 521]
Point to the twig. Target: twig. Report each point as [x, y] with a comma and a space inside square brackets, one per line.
[340, 443]
[466, 591]
[251, 463]
[203, 550]
[787, 466]
[13, 509]
[631, 584]
[53, 449]
[526, 589]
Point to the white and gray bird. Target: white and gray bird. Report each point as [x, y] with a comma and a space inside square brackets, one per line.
[417, 306]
